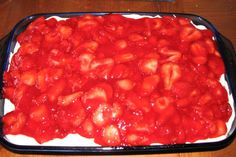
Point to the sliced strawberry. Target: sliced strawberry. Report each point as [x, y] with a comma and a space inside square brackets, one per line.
[124, 57]
[28, 48]
[39, 112]
[19, 93]
[199, 53]
[55, 90]
[55, 73]
[50, 39]
[217, 53]
[216, 65]
[184, 21]
[171, 55]
[37, 38]
[8, 79]
[89, 46]
[166, 134]
[218, 128]
[71, 116]
[202, 69]
[111, 136]
[145, 125]
[76, 39]
[161, 104]
[115, 18]
[189, 34]
[170, 73]
[100, 18]
[76, 113]
[136, 103]
[45, 132]
[87, 24]
[149, 84]
[135, 37]
[121, 44]
[108, 89]
[60, 60]
[102, 115]
[180, 135]
[116, 110]
[135, 139]
[194, 128]
[14, 122]
[168, 112]
[157, 23]
[45, 135]
[211, 127]
[69, 99]
[41, 99]
[51, 22]
[163, 43]
[171, 31]
[24, 37]
[23, 63]
[221, 128]
[38, 23]
[99, 94]
[148, 65]
[120, 71]
[210, 46]
[183, 102]
[204, 99]
[118, 30]
[65, 46]
[125, 84]
[87, 128]
[65, 31]
[220, 92]
[103, 37]
[209, 82]
[182, 89]
[29, 77]
[8, 92]
[101, 67]
[152, 40]
[41, 82]
[76, 82]
[85, 61]
[222, 110]
[95, 93]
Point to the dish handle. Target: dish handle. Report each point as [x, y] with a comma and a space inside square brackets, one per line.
[229, 55]
[3, 51]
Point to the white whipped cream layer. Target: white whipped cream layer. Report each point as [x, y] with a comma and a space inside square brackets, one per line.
[76, 139]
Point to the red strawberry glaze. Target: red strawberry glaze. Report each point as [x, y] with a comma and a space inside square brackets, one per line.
[118, 80]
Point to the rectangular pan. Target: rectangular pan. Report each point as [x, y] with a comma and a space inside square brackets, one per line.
[224, 46]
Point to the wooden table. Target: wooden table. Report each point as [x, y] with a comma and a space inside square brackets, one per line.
[222, 13]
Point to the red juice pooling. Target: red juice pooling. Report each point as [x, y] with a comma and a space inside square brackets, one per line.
[119, 80]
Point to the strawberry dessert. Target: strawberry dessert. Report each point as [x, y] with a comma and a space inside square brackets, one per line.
[120, 81]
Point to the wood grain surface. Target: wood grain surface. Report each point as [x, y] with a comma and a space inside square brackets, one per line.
[222, 13]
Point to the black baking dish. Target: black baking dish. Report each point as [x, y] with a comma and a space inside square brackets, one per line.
[224, 46]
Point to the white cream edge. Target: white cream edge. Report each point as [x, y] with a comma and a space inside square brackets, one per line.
[76, 139]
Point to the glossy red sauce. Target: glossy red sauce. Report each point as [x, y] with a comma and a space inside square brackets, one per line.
[118, 80]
